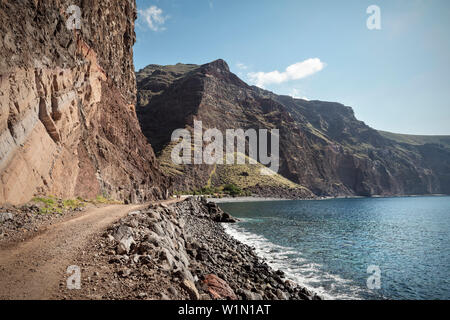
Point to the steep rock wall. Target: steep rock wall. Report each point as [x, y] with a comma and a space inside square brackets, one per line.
[67, 121]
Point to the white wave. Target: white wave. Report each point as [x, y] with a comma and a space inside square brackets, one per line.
[304, 273]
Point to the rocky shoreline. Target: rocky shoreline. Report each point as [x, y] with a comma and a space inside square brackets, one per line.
[282, 192]
[178, 252]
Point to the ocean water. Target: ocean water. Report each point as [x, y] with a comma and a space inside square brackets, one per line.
[328, 245]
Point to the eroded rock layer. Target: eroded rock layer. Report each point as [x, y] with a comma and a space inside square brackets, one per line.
[67, 121]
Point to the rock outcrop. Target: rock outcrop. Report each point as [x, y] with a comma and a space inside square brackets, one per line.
[67, 118]
[323, 147]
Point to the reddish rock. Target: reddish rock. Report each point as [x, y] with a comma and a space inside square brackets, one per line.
[218, 288]
[67, 121]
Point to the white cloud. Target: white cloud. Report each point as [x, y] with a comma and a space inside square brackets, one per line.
[295, 93]
[241, 66]
[154, 18]
[295, 71]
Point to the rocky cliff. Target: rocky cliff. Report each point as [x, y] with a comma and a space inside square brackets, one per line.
[323, 147]
[67, 120]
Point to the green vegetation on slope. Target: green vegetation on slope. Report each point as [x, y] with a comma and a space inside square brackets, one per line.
[53, 205]
[249, 175]
[243, 176]
[417, 140]
[228, 189]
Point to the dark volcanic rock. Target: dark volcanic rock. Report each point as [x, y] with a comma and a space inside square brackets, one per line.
[218, 215]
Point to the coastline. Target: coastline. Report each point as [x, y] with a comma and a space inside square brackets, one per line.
[243, 199]
[274, 256]
[277, 256]
[262, 199]
[303, 275]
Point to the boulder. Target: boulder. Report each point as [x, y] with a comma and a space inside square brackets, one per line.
[122, 232]
[281, 295]
[157, 229]
[223, 217]
[154, 239]
[5, 216]
[218, 288]
[249, 295]
[154, 214]
[125, 244]
[190, 288]
[133, 223]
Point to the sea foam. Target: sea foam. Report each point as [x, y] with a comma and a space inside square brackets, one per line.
[305, 273]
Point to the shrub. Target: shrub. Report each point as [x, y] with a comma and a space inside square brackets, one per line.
[232, 190]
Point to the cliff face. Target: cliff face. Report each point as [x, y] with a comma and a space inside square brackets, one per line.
[323, 147]
[67, 121]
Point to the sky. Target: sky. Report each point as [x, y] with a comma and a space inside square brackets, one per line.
[395, 75]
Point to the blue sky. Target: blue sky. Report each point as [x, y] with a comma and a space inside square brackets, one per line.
[396, 79]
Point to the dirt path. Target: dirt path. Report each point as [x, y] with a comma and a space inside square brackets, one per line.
[34, 269]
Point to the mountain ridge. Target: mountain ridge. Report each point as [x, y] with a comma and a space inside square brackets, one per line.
[323, 148]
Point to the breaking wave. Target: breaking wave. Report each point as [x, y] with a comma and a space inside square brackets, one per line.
[305, 273]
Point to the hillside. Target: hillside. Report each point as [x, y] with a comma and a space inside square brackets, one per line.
[323, 147]
[443, 141]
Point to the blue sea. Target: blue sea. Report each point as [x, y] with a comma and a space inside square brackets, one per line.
[365, 248]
